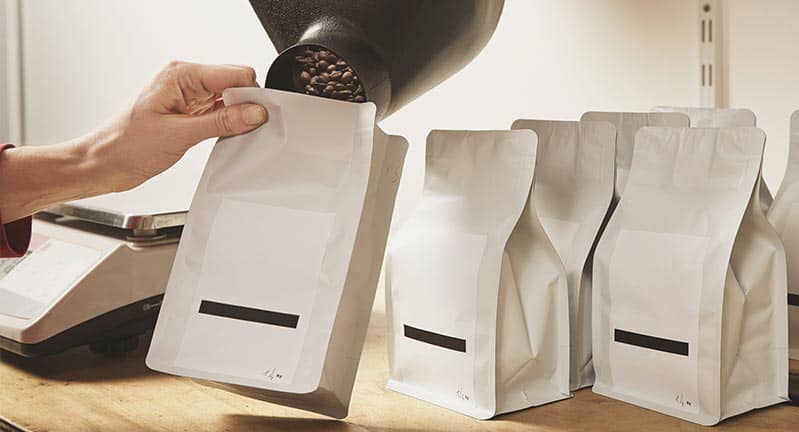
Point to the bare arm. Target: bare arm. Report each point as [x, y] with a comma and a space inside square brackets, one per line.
[177, 110]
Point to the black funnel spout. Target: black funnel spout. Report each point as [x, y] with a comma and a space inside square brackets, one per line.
[395, 49]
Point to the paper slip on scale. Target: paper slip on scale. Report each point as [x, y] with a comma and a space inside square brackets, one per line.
[96, 269]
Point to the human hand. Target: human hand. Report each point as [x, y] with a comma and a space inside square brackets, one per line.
[180, 108]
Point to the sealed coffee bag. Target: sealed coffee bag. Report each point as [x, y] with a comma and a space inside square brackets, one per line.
[718, 118]
[784, 215]
[627, 125]
[713, 117]
[476, 295]
[573, 190]
[689, 281]
[273, 283]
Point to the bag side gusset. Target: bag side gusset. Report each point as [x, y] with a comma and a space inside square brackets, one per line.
[533, 319]
[754, 332]
[573, 190]
[784, 216]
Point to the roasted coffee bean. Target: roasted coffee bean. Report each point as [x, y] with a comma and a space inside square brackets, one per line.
[323, 73]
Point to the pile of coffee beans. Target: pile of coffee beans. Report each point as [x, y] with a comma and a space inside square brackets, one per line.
[319, 72]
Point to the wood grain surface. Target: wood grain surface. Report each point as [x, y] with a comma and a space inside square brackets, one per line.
[79, 391]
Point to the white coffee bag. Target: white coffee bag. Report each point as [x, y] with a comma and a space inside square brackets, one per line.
[784, 215]
[476, 295]
[718, 118]
[627, 125]
[273, 283]
[573, 189]
[713, 117]
[689, 281]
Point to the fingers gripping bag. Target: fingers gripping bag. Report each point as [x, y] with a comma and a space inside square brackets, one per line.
[573, 189]
[627, 125]
[273, 283]
[718, 118]
[476, 295]
[784, 215]
[689, 281]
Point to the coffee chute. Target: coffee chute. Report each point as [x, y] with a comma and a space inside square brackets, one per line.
[399, 49]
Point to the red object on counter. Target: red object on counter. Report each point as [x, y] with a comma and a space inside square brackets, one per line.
[14, 236]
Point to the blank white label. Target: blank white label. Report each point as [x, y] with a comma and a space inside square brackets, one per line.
[261, 257]
[655, 287]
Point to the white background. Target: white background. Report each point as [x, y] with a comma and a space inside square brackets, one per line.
[84, 60]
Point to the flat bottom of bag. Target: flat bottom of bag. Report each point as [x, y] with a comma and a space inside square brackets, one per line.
[698, 418]
[77, 390]
[477, 413]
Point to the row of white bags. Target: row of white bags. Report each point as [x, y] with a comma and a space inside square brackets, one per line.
[689, 279]
[275, 275]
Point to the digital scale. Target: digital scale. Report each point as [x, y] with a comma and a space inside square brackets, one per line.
[96, 269]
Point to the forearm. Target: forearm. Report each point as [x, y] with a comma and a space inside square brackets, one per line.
[178, 110]
[33, 178]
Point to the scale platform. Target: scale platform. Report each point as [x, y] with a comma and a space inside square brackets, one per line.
[96, 269]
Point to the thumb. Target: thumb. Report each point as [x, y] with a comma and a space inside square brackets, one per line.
[227, 121]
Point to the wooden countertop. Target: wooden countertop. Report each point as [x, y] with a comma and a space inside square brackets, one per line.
[79, 391]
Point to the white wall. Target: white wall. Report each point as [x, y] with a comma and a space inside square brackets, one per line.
[86, 59]
[762, 64]
[4, 132]
[557, 59]
[10, 92]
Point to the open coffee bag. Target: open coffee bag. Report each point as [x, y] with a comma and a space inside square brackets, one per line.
[627, 125]
[572, 193]
[689, 281]
[476, 295]
[784, 215]
[718, 118]
[273, 283]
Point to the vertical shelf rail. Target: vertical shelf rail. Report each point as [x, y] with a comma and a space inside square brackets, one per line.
[710, 51]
